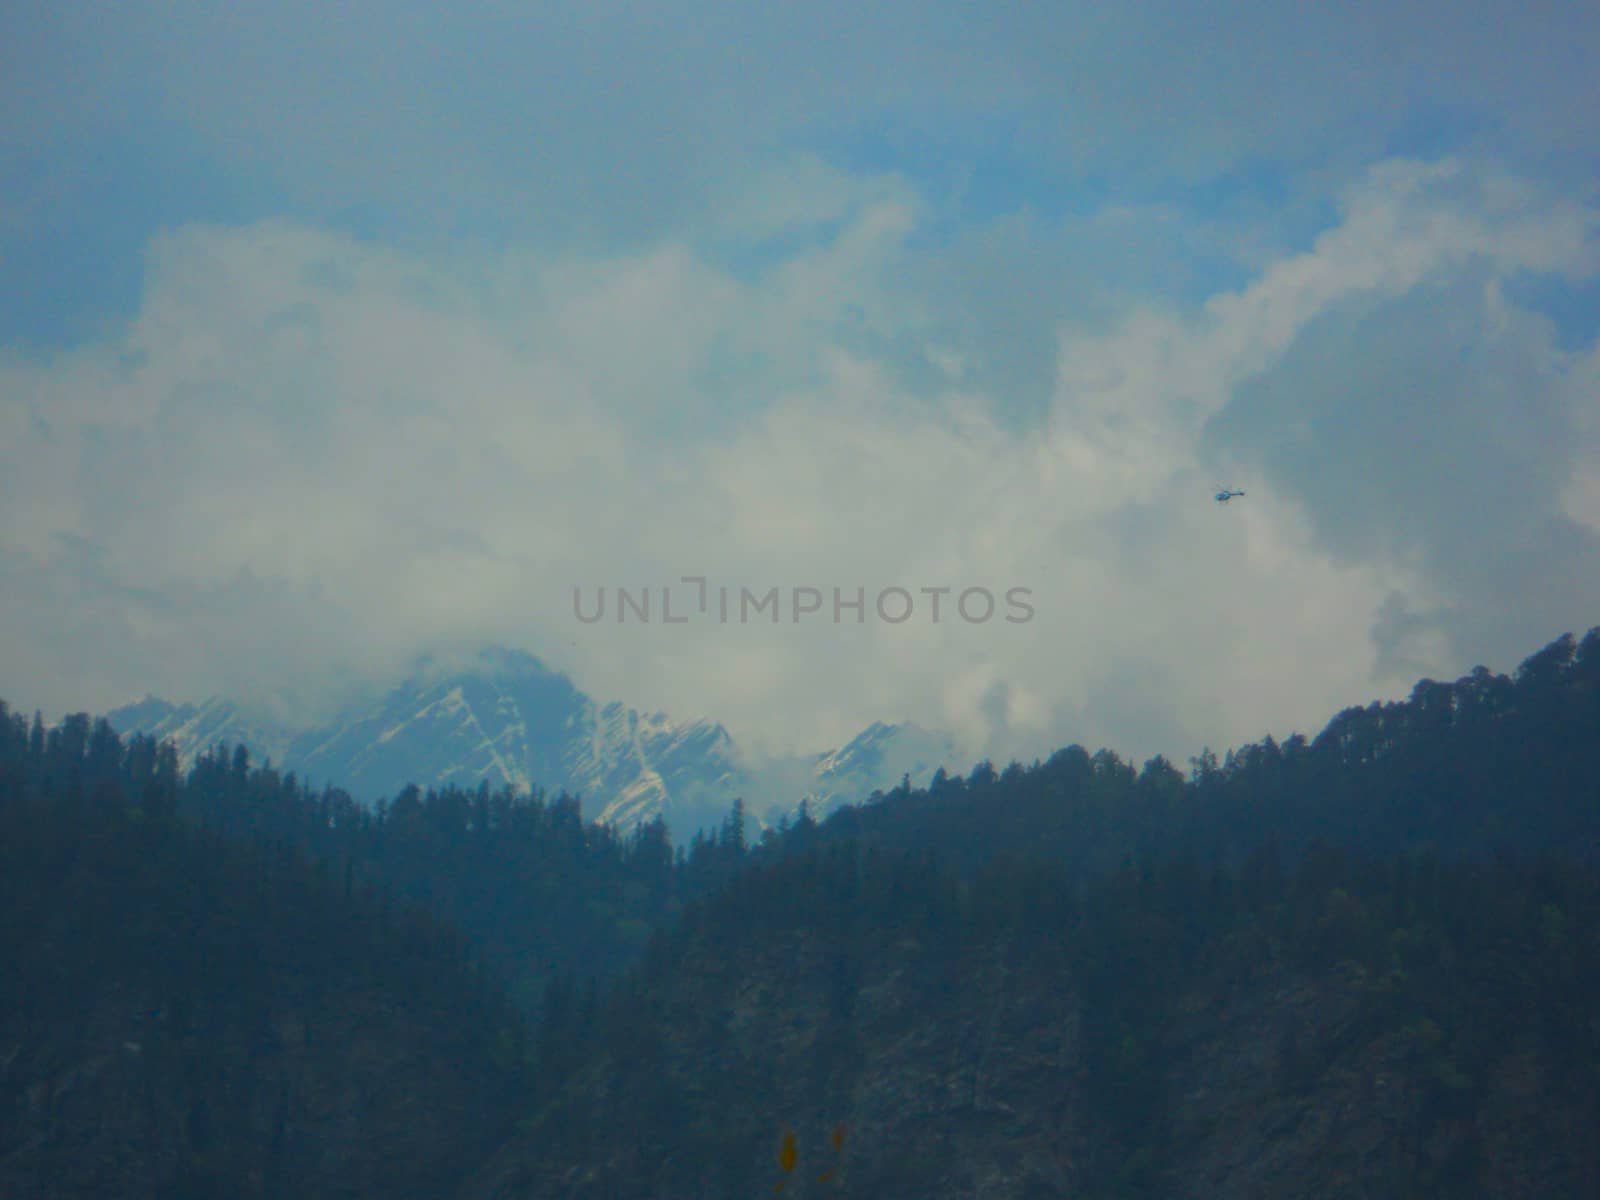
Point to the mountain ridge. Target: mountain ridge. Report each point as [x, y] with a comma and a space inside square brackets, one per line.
[505, 717]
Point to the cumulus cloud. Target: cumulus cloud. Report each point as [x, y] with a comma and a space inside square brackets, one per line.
[309, 457]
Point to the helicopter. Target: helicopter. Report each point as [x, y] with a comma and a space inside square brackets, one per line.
[1224, 495]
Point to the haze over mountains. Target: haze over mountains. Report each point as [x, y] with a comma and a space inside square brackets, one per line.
[506, 718]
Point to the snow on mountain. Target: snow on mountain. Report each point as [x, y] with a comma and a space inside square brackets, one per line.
[504, 717]
[876, 759]
[882, 754]
[197, 728]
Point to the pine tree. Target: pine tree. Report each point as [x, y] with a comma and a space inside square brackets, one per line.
[733, 830]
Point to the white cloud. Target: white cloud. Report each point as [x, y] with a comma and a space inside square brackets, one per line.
[311, 457]
[1581, 497]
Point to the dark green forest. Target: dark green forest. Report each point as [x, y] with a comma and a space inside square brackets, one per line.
[1358, 963]
[187, 1014]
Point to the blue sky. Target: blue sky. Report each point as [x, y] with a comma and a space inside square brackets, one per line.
[330, 337]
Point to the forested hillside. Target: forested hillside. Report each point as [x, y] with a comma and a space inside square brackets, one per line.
[1485, 765]
[185, 1015]
[1337, 1028]
[530, 883]
[1360, 963]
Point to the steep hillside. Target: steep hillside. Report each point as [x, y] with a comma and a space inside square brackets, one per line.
[1357, 965]
[1362, 963]
[1339, 1030]
[1482, 765]
[185, 1017]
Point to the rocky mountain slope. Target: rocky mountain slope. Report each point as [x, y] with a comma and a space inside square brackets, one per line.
[507, 719]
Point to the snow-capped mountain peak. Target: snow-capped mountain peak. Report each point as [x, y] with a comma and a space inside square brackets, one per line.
[504, 717]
